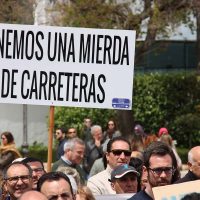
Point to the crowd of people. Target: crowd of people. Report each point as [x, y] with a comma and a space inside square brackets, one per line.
[101, 163]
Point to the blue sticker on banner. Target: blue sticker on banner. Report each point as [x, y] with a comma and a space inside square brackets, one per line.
[120, 103]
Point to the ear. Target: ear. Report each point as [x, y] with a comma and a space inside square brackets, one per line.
[107, 155]
[113, 186]
[67, 150]
[189, 165]
[4, 187]
[144, 173]
[144, 169]
[74, 196]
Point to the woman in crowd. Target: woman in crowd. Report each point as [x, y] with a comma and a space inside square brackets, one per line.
[84, 193]
[111, 130]
[8, 150]
[166, 138]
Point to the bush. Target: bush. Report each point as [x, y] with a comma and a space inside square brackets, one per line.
[183, 153]
[74, 117]
[38, 150]
[169, 100]
[162, 99]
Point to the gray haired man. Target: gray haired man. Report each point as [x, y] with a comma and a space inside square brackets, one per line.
[74, 150]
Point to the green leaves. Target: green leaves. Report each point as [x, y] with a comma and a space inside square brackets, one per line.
[73, 117]
[170, 100]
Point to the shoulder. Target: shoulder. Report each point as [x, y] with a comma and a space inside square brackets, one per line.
[188, 177]
[99, 161]
[99, 176]
[140, 195]
[90, 144]
[63, 142]
[58, 163]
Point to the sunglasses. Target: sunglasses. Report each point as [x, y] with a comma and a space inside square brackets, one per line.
[118, 152]
[71, 132]
[38, 170]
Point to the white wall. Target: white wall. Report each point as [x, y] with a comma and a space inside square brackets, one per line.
[11, 119]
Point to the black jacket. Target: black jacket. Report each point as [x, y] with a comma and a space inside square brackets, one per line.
[188, 177]
[60, 148]
[92, 153]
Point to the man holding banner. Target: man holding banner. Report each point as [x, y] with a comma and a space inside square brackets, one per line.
[160, 168]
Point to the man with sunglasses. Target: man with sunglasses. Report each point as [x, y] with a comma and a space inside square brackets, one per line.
[160, 168]
[37, 168]
[118, 153]
[17, 179]
[60, 136]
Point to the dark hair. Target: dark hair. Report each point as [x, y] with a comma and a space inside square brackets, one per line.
[161, 149]
[32, 159]
[5, 170]
[8, 136]
[192, 196]
[137, 163]
[53, 176]
[104, 161]
[114, 122]
[115, 139]
[63, 129]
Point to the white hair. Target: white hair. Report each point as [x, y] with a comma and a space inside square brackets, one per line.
[71, 143]
[190, 157]
[73, 175]
[94, 128]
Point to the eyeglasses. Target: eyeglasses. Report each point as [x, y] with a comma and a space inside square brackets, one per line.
[118, 152]
[15, 179]
[38, 170]
[160, 170]
[71, 132]
[64, 196]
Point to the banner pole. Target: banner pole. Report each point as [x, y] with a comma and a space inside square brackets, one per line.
[50, 138]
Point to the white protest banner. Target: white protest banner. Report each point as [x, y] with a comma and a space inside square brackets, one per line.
[176, 191]
[62, 66]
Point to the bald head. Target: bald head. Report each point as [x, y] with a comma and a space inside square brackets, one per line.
[32, 195]
[194, 155]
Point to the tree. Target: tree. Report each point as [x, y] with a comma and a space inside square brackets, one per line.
[158, 16]
[16, 12]
[195, 5]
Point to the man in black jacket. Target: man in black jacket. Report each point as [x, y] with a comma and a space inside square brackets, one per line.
[160, 169]
[94, 149]
[60, 136]
[193, 165]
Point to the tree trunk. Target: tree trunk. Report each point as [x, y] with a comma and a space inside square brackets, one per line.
[198, 40]
[126, 122]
